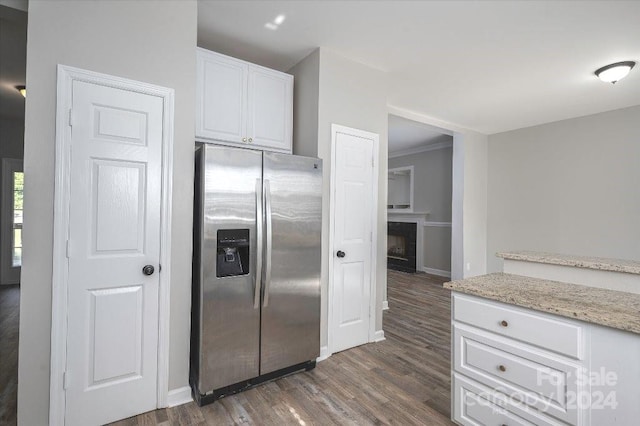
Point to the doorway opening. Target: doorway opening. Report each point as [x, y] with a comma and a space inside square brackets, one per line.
[13, 54]
[419, 200]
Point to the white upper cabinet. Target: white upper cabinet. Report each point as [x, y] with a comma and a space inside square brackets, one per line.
[239, 103]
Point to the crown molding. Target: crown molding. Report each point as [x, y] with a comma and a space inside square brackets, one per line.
[424, 148]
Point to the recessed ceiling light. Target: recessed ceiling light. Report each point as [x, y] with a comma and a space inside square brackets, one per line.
[279, 19]
[614, 72]
[271, 26]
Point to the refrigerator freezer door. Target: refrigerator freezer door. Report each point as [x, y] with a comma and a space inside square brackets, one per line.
[229, 333]
[291, 299]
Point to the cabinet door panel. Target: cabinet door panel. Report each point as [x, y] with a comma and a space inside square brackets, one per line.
[221, 97]
[270, 114]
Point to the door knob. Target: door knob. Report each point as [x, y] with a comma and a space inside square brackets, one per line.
[148, 270]
[340, 254]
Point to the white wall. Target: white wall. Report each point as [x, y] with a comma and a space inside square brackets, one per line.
[151, 41]
[474, 206]
[571, 187]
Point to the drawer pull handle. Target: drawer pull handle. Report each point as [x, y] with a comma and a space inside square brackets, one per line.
[504, 323]
[502, 368]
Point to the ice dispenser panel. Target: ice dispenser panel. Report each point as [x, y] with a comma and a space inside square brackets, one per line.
[233, 252]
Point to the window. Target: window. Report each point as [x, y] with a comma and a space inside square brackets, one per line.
[11, 208]
[16, 246]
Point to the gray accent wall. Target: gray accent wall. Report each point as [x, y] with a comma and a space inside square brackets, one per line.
[432, 192]
[571, 187]
[306, 87]
[437, 247]
[12, 137]
[150, 41]
[431, 181]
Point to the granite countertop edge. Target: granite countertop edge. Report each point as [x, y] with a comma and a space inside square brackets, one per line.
[610, 308]
[598, 263]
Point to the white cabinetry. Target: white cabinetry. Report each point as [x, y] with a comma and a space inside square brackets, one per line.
[512, 365]
[242, 104]
[522, 362]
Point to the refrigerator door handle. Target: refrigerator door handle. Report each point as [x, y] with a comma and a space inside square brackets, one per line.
[259, 243]
[268, 235]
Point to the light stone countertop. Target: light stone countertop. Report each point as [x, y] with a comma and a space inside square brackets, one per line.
[610, 308]
[601, 263]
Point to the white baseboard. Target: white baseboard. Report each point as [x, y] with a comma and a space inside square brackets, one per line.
[438, 272]
[385, 305]
[179, 396]
[324, 353]
[378, 336]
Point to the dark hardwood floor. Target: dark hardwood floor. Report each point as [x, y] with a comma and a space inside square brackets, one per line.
[9, 322]
[403, 380]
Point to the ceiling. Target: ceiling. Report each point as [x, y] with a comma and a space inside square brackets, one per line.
[408, 135]
[489, 66]
[13, 58]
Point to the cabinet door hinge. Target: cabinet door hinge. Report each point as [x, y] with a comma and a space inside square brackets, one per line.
[71, 122]
[64, 380]
[68, 250]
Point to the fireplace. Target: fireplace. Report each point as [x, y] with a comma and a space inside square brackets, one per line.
[401, 246]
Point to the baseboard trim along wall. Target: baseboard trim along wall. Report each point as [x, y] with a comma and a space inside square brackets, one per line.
[179, 396]
[324, 353]
[438, 272]
[385, 305]
[378, 336]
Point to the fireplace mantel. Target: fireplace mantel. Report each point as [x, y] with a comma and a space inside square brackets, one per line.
[393, 216]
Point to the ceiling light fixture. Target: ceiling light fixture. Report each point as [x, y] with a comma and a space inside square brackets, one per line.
[22, 90]
[276, 22]
[614, 72]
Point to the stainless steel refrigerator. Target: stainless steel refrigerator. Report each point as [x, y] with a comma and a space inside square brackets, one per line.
[256, 275]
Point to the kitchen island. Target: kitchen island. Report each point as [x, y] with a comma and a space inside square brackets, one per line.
[530, 350]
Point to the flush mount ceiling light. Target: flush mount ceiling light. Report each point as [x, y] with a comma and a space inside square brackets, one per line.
[614, 72]
[22, 90]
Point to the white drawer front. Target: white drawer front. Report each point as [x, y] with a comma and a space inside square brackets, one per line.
[540, 380]
[528, 326]
[478, 405]
[479, 411]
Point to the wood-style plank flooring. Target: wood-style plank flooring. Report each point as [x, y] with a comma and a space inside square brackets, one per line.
[403, 380]
[9, 322]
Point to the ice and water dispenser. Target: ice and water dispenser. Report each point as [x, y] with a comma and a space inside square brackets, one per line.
[233, 252]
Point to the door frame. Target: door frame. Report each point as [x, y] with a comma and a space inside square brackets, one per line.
[9, 166]
[66, 76]
[374, 335]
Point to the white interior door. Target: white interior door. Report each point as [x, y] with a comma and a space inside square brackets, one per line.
[352, 240]
[114, 231]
